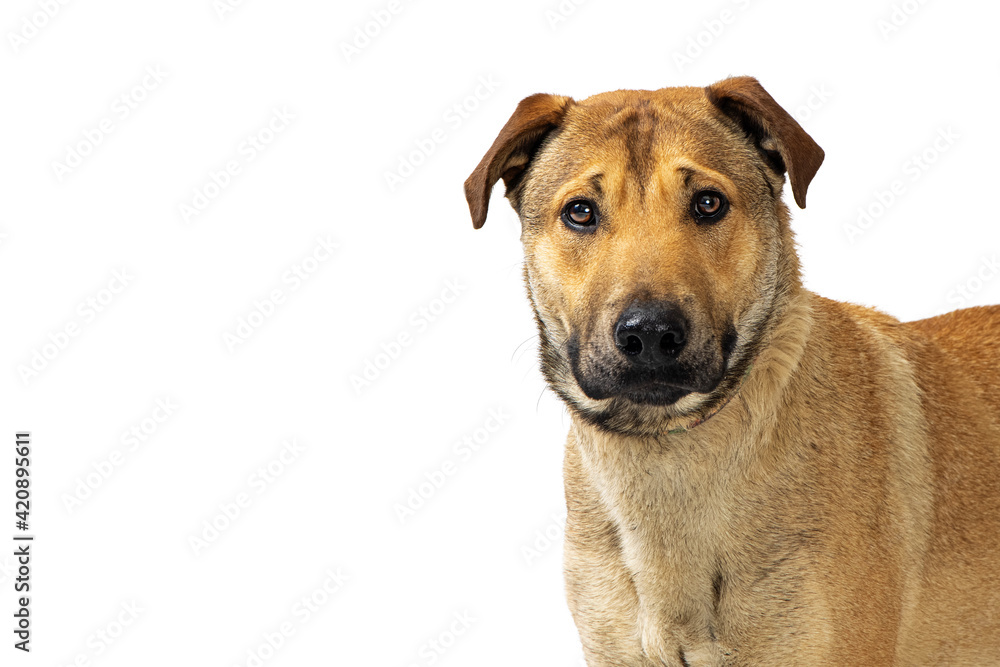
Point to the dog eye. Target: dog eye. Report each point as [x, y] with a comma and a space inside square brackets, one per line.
[709, 206]
[580, 214]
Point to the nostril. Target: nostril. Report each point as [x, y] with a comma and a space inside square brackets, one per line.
[632, 346]
[672, 341]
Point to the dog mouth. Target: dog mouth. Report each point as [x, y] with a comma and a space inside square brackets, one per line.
[655, 394]
[662, 385]
[646, 390]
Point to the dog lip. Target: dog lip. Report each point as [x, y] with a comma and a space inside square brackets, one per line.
[645, 389]
[660, 394]
[654, 383]
[656, 391]
[648, 392]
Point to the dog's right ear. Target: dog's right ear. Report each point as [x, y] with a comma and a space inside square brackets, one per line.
[513, 149]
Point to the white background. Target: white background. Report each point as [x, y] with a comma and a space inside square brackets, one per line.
[476, 547]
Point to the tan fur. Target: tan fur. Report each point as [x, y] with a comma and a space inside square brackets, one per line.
[841, 505]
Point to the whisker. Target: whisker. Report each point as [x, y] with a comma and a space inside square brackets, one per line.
[525, 342]
[516, 265]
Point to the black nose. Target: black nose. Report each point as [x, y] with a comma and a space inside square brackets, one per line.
[651, 334]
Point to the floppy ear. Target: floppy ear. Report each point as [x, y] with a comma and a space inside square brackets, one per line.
[513, 149]
[775, 132]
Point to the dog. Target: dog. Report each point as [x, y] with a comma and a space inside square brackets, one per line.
[754, 474]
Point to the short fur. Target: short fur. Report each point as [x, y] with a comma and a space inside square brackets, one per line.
[833, 498]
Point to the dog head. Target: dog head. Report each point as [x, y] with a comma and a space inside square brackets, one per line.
[656, 242]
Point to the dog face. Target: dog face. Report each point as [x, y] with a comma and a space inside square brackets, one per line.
[654, 239]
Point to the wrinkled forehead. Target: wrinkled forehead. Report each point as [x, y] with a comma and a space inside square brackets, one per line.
[641, 131]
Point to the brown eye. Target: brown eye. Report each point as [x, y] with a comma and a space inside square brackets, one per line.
[709, 206]
[580, 215]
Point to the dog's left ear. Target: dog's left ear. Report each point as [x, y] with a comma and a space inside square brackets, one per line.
[776, 133]
[513, 149]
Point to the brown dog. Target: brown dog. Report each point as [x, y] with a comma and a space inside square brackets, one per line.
[755, 475]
